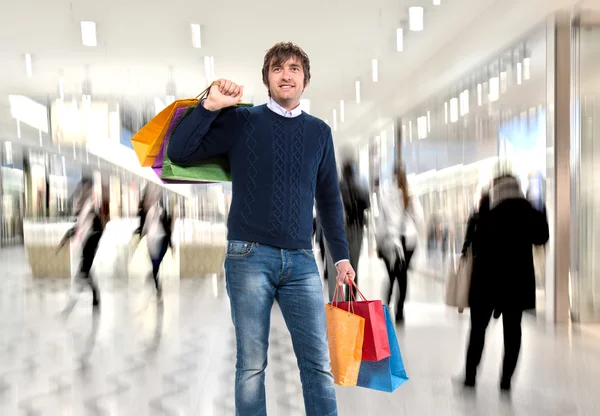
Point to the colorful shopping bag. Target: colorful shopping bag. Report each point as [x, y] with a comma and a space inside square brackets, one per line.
[160, 157]
[345, 332]
[376, 345]
[388, 374]
[147, 141]
[206, 171]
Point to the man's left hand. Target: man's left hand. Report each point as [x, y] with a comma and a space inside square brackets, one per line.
[345, 273]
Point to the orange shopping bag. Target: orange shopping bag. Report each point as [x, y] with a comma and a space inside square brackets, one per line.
[146, 142]
[346, 333]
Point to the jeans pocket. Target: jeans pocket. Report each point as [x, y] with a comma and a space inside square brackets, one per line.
[239, 249]
[308, 253]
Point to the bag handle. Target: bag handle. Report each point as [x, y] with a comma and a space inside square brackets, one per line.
[353, 284]
[337, 292]
[204, 94]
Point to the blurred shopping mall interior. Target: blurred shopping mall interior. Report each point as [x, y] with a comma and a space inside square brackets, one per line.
[447, 89]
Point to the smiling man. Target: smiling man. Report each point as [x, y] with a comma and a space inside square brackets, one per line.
[282, 160]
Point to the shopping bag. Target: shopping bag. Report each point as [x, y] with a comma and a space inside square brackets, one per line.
[146, 142]
[206, 171]
[160, 157]
[345, 332]
[388, 374]
[459, 282]
[376, 345]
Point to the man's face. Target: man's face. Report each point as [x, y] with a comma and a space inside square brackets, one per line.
[286, 81]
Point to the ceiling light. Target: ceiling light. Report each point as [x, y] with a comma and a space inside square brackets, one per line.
[526, 68]
[342, 112]
[437, 2]
[454, 110]
[196, 36]
[375, 70]
[422, 127]
[519, 73]
[494, 89]
[357, 92]
[446, 112]
[410, 130]
[28, 65]
[464, 102]
[88, 34]
[428, 122]
[479, 94]
[334, 120]
[415, 18]
[399, 39]
[8, 149]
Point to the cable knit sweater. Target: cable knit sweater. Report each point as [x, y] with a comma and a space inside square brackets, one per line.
[279, 167]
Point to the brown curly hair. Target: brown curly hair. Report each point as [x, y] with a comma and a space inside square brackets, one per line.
[279, 54]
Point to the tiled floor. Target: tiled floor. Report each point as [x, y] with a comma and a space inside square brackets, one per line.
[138, 358]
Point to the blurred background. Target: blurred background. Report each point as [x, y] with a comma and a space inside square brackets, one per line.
[447, 90]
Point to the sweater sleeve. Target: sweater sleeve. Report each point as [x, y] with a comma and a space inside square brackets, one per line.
[204, 134]
[329, 204]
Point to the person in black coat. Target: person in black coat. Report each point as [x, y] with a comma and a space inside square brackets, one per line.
[503, 279]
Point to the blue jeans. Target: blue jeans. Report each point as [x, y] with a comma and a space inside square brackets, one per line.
[256, 276]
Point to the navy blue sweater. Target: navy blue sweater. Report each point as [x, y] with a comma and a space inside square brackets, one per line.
[279, 166]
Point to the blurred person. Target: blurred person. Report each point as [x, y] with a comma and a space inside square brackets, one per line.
[355, 198]
[400, 225]
[281, 159]
[503, 279]
[92, 217]
[157, 226]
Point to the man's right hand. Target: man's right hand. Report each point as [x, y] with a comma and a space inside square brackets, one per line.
[224, 94]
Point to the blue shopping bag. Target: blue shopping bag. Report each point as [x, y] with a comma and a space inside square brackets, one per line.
[387, 374]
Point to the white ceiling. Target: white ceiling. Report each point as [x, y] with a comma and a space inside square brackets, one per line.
[140, 40]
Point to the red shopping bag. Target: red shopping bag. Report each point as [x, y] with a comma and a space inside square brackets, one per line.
[376, 345]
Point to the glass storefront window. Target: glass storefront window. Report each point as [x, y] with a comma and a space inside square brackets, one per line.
[586, 221]
[452, 143]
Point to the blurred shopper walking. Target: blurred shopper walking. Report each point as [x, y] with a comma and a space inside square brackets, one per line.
[92, 217]
[355, 198]
[157, 226]
[503, 279]
[400, 225]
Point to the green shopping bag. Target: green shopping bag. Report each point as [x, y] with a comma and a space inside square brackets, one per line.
[206, 171]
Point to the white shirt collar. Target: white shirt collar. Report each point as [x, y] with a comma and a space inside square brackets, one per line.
[277, 109]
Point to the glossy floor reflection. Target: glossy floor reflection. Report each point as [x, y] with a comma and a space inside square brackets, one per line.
[138, 357]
